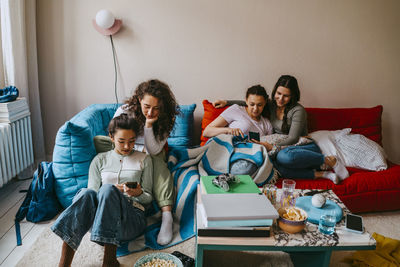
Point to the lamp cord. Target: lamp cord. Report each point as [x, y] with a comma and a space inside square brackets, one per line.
[115, 69]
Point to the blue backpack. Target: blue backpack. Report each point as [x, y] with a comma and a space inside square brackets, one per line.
[40, 203]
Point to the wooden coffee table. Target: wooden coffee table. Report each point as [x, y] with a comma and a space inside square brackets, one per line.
[307, 248]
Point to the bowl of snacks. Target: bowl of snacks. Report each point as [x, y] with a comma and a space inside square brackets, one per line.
[292, 219]
[159, 259]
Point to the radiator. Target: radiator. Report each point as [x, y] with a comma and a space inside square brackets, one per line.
[16, 151]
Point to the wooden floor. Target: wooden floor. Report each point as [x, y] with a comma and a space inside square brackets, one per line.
[10, 201]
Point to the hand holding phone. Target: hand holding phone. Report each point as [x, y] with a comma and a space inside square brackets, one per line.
[354, 223]
[254, 135]
[131, 184]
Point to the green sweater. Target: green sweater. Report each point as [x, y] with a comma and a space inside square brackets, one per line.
[113, 168]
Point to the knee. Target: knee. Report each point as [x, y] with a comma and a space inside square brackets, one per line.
[86, 195]
[107, 190]
[285, 157]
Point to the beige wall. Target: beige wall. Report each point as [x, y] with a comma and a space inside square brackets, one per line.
[345, 53]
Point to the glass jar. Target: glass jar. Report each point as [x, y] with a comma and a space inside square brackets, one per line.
[287, 198]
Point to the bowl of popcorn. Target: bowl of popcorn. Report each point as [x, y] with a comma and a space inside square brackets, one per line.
[292, 219]
[159, 259]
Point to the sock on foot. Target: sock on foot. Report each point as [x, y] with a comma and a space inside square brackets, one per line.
[340, 170]
[67, 255]
[165, 234]
[331, 176]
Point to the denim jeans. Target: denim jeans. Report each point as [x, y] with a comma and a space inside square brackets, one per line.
[108, 212]
[299, 161]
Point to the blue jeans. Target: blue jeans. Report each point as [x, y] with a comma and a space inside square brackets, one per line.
[108, 212]
[299, 161]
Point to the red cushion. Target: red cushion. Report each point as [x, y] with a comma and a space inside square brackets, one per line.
[365, 121]
[210, 114]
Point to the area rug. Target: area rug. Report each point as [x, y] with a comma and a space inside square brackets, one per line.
[47, 248]
[46, 253]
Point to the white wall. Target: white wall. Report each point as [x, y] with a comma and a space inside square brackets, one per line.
[345, 53]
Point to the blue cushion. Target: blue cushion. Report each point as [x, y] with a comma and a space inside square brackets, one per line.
[182, 133]
[74, 148]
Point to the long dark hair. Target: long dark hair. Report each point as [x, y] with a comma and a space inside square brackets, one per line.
[168, 106]
[289, 82]
[123, 121]
[259, 90]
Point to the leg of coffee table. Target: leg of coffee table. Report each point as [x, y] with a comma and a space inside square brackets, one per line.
[199, 255]
[311, 258]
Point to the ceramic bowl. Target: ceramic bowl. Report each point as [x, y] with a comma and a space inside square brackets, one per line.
[158, 255]
[289, 226]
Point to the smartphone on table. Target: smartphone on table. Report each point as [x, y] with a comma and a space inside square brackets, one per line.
[131, 184]
[354, 223]
[254, 135]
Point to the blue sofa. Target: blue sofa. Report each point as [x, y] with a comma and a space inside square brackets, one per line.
[74, 148]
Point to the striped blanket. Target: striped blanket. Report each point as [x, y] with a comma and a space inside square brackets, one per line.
[186, 166]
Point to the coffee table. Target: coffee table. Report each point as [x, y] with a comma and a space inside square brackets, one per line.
[307, 248]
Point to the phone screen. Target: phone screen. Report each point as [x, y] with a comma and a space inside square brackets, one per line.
[131, 184]
[354, 222]
[254, 135]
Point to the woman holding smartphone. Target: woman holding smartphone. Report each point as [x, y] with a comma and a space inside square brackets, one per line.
[119, 189]
[239, 120]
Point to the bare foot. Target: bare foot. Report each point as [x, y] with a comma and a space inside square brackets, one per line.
[330, 161]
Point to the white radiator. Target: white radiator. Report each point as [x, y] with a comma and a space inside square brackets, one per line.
[16, 151]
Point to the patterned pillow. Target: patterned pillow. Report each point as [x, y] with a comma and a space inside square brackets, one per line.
[275, 138]
[361, 152]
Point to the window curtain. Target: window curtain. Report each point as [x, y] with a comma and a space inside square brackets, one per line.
[19, 61]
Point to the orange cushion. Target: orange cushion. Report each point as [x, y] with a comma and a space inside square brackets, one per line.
[210, 114]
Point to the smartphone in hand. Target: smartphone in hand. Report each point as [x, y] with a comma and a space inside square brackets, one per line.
[131, 184]
[254, 135]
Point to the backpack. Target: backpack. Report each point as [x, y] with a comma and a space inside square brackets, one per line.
[40, 203]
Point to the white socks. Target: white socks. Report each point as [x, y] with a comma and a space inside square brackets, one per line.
[331, 176]
[165, 234]
[340, 170]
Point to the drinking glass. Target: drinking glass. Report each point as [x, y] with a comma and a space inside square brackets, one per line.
[270, 191]
[327, 223]
[288, 198]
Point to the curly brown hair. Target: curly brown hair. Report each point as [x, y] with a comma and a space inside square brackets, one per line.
[169, 108]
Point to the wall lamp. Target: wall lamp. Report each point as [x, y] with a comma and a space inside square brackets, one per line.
[106, 24]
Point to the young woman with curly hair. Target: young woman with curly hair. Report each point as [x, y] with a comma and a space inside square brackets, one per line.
[154, 107]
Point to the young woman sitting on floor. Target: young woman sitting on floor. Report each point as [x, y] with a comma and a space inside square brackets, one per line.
[111, 206]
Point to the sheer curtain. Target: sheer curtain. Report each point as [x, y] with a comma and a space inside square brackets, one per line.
[18, 64]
